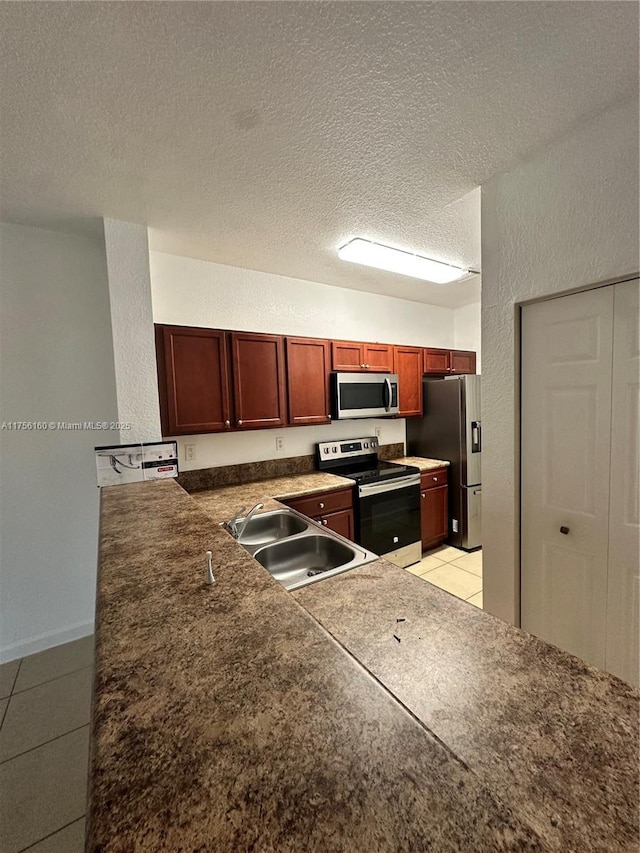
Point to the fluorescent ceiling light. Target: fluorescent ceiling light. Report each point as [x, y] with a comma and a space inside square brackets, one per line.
[360, 251]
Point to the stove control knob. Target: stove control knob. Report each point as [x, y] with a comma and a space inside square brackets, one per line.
[366, 444]
[334, 449]
[325, 450]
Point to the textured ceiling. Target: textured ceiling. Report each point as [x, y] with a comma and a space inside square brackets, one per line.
[265, 135]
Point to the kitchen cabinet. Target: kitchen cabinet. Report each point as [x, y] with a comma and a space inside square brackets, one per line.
[408, 363]
[440, 362]
[193, 380]
[354, 356]
[308, 367]
[258, 380]
[215, 380]
[434, 508]
[332, 509]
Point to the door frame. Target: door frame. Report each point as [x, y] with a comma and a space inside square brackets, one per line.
[518, 415]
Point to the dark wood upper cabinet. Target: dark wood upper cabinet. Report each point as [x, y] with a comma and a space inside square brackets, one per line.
[258, 380]
[354, 356]
[437, 361]
[378, 357]
[308, 367]
[463, 361]
[193, 380]
[347, 356]
[408, 365]
[441, 362]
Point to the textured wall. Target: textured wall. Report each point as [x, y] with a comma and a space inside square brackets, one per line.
[132, 328]
[565, 219]
[466, 330]
[56, 365]
[200, 293]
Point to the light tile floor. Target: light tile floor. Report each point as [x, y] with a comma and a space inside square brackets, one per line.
[456, 571]
[45, 704]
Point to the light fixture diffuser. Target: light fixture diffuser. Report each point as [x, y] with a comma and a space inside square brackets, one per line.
[371, 254]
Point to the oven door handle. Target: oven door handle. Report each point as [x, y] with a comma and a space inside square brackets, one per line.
[390, 486]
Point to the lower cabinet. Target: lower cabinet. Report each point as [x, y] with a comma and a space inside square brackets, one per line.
[331, 509]
[434, 507]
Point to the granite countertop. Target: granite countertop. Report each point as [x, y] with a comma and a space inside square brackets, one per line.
[244, 717]
[421, 462]
[556, 738]
[226, 719]
[221, 502]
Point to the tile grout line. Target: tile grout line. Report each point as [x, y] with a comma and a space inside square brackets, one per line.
[8, 698]
[13, 686]
[46, 742]
[44, 838]
[51, 680]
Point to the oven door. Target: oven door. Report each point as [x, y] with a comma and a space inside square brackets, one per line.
[389, 514]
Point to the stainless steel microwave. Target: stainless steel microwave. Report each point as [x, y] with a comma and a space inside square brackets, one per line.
[364, 395]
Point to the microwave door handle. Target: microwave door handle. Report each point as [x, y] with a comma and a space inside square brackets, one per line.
[389, 394]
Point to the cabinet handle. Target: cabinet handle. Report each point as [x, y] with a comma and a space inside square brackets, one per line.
[363, 366]
[324, 521]
[435, 479]
[321, 505]
[367, 366]
[239, 423]
[227, 423]
[423, 494]
[564, 530]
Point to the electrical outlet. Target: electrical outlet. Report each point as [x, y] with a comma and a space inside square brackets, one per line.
[189, 453]
[279, 442]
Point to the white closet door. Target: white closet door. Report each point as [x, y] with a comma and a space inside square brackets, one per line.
[623, 625]
[566, 429]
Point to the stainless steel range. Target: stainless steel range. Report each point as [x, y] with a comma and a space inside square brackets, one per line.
[387, 508]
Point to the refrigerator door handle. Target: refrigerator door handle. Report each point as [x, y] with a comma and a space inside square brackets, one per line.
[476, 436]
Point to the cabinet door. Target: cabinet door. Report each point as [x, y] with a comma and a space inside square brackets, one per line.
[437, 361]
[193, 379]
[347, 355]
[408, 365]
[463, 361]
[308, 368]
[378, 357]
[258, 380]
[340, 522]
[434, 516]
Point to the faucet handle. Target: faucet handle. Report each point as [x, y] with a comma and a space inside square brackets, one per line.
[209, 578]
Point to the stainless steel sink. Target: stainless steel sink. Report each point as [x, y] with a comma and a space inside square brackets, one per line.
[270, 527]
[298, 551]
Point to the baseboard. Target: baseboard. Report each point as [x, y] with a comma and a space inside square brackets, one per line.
[45, 641]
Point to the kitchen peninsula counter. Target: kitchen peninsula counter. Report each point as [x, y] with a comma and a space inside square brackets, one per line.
[226, 718]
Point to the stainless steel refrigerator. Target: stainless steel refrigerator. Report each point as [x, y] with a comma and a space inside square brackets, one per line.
[451, 429]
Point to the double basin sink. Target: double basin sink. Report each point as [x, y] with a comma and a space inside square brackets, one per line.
[297, 551]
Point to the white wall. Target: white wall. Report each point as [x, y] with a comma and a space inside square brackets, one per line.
[127, 250]
[201, 293]
[56, 364]
[563, 220]
[467, 332]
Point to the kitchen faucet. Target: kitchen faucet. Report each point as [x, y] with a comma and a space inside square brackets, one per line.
[232, 525]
